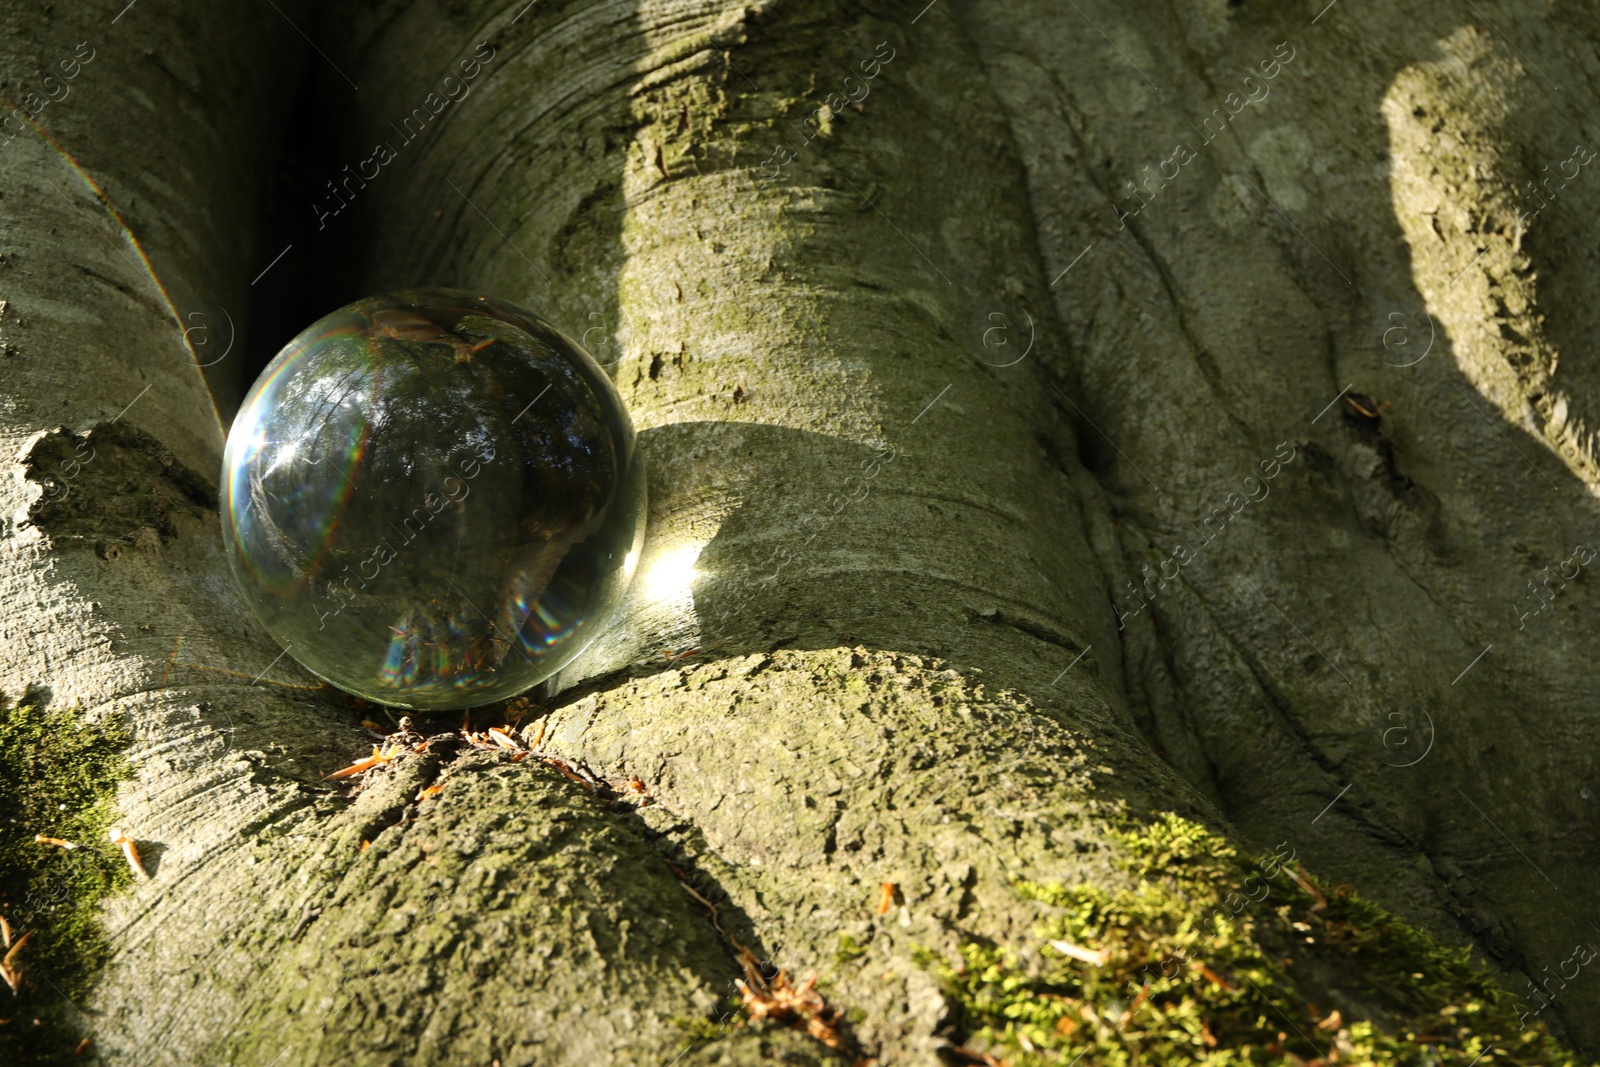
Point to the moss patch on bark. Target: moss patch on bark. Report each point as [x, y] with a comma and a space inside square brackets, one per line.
[58, 777]
[1203, 958]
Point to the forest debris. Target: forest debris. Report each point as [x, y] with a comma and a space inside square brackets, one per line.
[307, 917]
[504, 739]
[565, 768]
[799, 1007]
[1093, 957]
[494, 739]
[5, 931]
[430, 791]
[128, 849]
[748, 961]
[776, 999]
[518, 710]
[43, 840]
[1309, 886]
[1133, 1009]
[81, 1046]
[379, 755]
[710, 907]
[13, 974]
[1365, 406]
[886, 897]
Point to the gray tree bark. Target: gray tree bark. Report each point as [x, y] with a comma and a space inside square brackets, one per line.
[930, 403]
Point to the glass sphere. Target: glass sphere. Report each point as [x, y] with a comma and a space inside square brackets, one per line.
[431, 499]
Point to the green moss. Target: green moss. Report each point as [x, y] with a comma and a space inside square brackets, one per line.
[1207, 960]
[698, 1030]
[58, 778]
[849, 950]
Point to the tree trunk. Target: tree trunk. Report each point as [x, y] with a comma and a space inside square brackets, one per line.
[993, 503]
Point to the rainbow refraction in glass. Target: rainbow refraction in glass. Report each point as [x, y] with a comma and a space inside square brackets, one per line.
[431, 499]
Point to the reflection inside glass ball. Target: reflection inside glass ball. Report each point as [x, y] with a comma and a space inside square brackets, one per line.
[431, 499]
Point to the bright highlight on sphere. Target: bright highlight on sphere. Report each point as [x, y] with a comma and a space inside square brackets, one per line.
[431, 499]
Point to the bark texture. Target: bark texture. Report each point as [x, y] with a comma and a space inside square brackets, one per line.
[1366, 224]
[918, 409]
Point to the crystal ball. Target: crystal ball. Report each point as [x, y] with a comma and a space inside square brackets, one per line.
[431, 499]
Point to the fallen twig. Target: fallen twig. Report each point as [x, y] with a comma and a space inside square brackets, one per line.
[307, 917]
